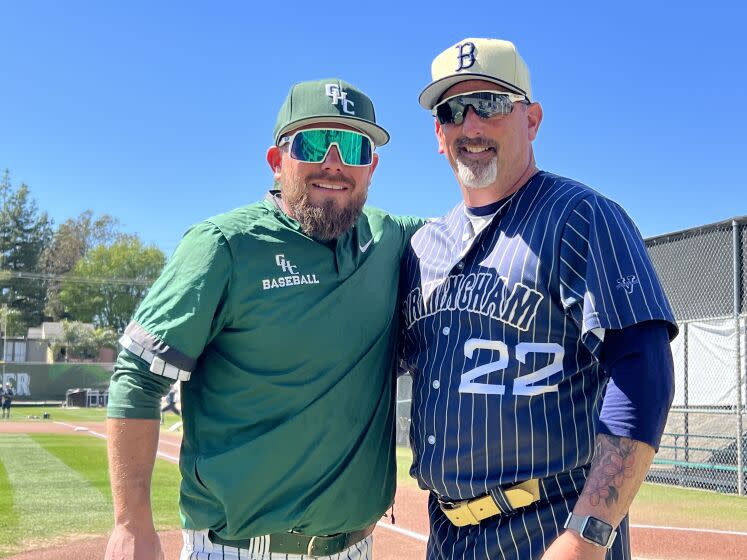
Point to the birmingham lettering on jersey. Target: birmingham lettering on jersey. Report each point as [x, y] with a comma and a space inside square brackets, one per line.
[285, 281]
[477, 292]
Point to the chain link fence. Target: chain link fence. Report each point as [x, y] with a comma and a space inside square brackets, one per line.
[704, 275]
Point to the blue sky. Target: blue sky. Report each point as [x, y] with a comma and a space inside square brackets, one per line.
[160, 113]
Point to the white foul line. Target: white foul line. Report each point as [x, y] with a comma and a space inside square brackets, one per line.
[424, 538]
[169, 457]
[103, 436]
[401, 531]
[689, 529]
[66, 424]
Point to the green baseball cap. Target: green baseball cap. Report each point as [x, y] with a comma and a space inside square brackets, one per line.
[329, 101]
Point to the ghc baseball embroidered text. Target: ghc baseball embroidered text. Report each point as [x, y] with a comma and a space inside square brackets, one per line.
[295, 279]
[478, 293]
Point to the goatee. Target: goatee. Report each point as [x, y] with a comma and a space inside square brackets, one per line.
[476, 174]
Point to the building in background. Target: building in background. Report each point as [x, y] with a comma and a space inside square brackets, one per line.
[46, 344]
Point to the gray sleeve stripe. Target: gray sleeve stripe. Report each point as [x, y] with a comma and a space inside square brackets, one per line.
[156, 346]
[157, 364]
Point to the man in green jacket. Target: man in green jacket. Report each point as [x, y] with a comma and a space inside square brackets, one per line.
[279, 320]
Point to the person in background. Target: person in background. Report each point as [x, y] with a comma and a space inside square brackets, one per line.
[7, 399]
[169, 403]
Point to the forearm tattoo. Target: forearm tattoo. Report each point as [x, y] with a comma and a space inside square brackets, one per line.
[614, 460]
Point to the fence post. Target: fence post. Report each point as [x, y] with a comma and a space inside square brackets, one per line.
[737, 307]
[686, 390]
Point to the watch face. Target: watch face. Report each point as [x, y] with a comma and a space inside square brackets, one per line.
[597, 531]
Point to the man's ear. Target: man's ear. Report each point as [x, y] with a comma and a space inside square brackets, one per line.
[372, 168]
[440, 137]
[275, 161]
[534, 119]
[375, 162]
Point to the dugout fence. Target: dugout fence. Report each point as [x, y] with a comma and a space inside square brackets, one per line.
[703, 273]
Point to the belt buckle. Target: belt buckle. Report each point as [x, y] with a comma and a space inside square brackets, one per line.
[458, 513]
[450, 505]
[310, 547]
[331, 541]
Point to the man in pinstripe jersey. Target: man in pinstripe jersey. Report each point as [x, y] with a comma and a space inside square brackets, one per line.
[537, 334]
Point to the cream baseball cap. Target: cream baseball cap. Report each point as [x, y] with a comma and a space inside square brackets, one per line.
[492, 60]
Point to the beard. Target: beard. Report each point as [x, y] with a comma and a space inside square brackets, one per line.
[476, 174]
[328, 219]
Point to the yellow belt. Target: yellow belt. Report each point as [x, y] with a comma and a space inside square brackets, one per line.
[471, 512]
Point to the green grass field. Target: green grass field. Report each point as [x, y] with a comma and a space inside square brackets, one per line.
[54, 487]
[671, 506]
[71, 415]
[656, 504]
[59, 413]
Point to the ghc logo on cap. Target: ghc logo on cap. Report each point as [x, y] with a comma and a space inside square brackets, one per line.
[336, 94]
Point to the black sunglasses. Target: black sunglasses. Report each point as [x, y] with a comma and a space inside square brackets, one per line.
[485, 104]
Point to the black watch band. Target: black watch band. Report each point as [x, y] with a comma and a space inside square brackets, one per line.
[591, 529]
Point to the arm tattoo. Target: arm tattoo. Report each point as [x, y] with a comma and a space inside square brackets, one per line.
[613, 462]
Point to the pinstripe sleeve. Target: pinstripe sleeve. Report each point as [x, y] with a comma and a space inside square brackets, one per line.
[607, 279]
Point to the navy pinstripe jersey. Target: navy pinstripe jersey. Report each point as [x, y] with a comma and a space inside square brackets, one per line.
[502, 333]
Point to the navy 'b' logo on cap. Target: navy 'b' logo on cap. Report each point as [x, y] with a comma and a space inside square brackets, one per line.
[466, 56]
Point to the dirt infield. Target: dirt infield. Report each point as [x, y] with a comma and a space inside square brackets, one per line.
[47, 427]
[402, 541]
[648, 544]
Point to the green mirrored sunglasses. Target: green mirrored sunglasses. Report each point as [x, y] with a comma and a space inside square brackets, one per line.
[313, 144]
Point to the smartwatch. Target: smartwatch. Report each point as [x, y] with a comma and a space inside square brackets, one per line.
[591, 529]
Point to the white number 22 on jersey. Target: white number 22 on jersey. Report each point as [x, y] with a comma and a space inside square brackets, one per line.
[523, 385]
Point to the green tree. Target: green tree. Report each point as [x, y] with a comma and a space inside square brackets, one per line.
[108, 283]
[82, 341]
[71, 241]
[24, 232]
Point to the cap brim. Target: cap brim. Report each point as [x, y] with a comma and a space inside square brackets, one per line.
[377, 133]
[433, 92]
